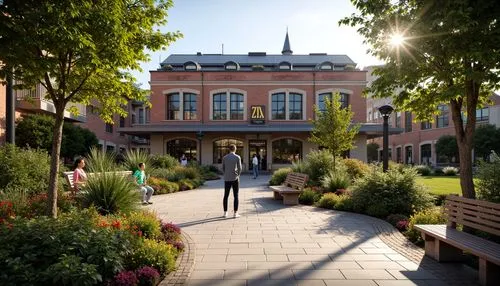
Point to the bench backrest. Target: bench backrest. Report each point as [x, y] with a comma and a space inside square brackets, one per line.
[480, 215]
[71, 182]
[296, 180]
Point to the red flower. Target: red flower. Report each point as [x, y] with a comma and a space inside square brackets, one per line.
[116, 224]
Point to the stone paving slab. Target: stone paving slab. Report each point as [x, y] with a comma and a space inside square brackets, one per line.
[273, 244]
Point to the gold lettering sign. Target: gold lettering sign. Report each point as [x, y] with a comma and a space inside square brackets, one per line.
[257, 114]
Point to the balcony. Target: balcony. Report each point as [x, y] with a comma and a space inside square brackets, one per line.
[139, 140]
[34, 101]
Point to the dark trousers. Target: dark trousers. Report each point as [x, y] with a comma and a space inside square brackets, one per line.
[227, 190]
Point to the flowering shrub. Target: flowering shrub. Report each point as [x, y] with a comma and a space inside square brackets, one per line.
[148, 276]
[163, 186]
[157, 254]
[402, 225]
[428, 216]
[6, 210]
[125, 278]
[171, 232]
[146, 222]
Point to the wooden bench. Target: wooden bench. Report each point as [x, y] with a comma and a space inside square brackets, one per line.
[446, 243]
[71, 183]
[290, 190]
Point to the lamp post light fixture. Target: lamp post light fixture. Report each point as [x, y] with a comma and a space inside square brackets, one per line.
[199, 136]
[386, 111]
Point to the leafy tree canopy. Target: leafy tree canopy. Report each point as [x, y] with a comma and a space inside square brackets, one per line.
[35, 131]
[486, 139]
[435, 52]
[446, 146]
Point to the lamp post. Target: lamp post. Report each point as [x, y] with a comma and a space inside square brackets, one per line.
[386, 110]
[199, 136]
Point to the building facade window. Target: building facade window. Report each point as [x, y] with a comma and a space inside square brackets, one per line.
[221, 149]
[189, 106]
[286, 151]
[295, 106]
[442, 119]
[180, 105]
[142, 120]
[109, 128]
[397, 120]
[236, 103]
[344, 100]
[483, 114]
[122, 121]
[173, 106]
[426, 154]
[408, 122]
[399, 155]
[409, 155]
[425, 125]
[278, 106]
[228, 105]
[177, 147]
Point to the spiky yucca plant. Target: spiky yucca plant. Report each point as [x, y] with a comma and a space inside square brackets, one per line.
[134, 157]
[110, 193]
[98, 161]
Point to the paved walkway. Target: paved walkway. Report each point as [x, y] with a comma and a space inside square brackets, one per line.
[271, 244]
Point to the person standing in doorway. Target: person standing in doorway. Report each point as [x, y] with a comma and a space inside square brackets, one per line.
[231, 166]
[184, 160]
[255, 166]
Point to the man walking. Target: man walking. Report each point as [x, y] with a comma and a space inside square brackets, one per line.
[231, 166]
[255, 166]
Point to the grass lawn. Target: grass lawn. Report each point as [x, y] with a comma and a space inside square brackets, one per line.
[441, 184]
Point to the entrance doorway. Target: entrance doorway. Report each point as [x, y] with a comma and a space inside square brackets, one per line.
[258, 147]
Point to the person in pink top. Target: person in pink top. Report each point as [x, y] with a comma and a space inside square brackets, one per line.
[79, 175]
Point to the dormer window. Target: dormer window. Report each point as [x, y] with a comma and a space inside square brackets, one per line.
[191, 66]
[326, 66]
[231, 66]
[285, 66]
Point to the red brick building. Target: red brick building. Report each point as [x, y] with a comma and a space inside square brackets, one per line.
[417, 143]
[202, 103]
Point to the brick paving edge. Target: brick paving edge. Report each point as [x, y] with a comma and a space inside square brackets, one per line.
[184, 265]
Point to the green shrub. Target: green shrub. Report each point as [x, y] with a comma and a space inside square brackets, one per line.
[39, 251]
[145, 221]
[300, 167]
[98, 161]
[134, 157]
[423, 170]
[328, 201]
[164, 161]
[308, 197]
[355, 168]
[438, 172]
[344, 203]
[24, 170]
[429, 216]
[162, 186]
[488, 183]
[332, 182]
[319, 163]
[191, 173]
[186, 184]
[380, 194]
[450, 171]
[157, 254]
[110, 193]
[279, 176]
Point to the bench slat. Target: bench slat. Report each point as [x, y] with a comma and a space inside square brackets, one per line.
[468, 242]
[473, 211]
[474, 202]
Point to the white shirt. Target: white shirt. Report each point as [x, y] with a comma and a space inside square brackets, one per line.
[184, 162]
[255, 161]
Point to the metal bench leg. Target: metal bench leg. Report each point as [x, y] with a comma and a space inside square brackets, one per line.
[290, 199]
[489, 273]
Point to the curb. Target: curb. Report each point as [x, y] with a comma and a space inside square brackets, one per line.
[184, 265]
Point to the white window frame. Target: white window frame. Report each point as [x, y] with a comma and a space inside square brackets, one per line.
[181, 92]
[287, 92]
[228, 92]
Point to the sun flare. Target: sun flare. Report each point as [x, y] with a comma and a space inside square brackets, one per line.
[396, 40]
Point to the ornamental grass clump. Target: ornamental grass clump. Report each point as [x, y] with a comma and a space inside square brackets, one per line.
[279, 176]
[380, 194]
[110, 193]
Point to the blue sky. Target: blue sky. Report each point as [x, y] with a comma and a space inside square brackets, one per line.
[259, 26]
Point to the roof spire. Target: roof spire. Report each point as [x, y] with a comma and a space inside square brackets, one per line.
[286, 46]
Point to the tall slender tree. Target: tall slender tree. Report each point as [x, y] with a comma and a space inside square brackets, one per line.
[80, 51]
[333, 127]
[436, 52]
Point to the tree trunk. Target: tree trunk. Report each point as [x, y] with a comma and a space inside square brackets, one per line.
[466, 182]
[54, 161]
